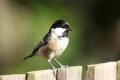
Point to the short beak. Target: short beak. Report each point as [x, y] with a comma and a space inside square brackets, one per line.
[69, 29]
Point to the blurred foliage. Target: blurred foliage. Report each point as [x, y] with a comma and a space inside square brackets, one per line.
[23, 23]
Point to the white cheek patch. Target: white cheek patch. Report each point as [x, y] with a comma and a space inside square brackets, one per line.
[58, 31]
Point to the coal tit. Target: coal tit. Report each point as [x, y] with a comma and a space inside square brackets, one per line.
[54, 42]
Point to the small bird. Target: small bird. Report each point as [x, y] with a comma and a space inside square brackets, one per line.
[54, 42]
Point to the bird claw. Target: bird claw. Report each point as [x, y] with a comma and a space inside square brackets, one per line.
[64, 67]
[55, 71]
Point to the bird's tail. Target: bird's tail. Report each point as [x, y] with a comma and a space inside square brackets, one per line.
[31, 55]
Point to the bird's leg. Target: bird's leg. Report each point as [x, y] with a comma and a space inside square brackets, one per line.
[59, 63]
[51, 64]
[49, 60]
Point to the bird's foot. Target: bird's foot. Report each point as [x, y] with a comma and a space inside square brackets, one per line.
[55, 71]
[63, 67]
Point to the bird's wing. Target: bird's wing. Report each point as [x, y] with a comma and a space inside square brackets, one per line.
[40, 44]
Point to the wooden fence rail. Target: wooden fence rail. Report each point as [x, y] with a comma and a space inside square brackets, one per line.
[103, 71]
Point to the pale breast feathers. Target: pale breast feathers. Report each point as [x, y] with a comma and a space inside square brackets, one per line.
[58, 45]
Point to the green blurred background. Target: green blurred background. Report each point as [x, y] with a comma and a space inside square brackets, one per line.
[23, 23]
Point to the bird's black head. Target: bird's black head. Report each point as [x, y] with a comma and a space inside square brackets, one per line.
[61, 24]
[60, 28]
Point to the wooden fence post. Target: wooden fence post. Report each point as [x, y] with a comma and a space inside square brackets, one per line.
[13, 77]
[104, 71]
[41, 75]
[90, 72]
[70, 73]
[118, 70]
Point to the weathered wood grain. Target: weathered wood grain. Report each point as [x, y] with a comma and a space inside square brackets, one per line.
[90, 72]
[13, 77]
[70, 73]
[41, 75]
[118, 70]
[103, 71]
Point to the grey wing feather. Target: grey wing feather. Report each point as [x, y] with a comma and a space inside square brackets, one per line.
[42, 43]
[37, 47]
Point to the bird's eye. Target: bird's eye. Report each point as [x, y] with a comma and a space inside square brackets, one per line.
[66, 26]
